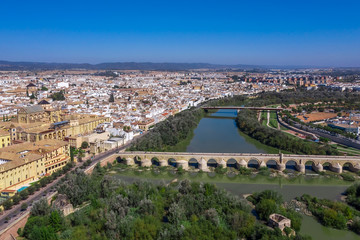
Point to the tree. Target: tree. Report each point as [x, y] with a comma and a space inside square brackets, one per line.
[42, 233]
[265, 208]
[31, 189]
[8, 204]
[32, 96]
[80, 154]
[58, 96]
[112, 99]
[56, 220]
[40, 208]
[287, 231]
[84, 145]
[24, 206]
[16, 199]
[43, 88]
[24, 194]
[146, 207]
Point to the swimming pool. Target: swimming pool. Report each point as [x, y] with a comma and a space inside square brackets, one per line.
[22, 188]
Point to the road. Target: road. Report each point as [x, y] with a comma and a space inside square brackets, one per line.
[15, 212]
[337, 138]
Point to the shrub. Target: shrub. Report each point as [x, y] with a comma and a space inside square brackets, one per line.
[265, 208]
[16, 199]
[348, 177]
[31, 190]
[8, 204]
[24, 194]
[24, 206]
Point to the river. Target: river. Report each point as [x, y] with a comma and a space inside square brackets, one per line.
[217, 132]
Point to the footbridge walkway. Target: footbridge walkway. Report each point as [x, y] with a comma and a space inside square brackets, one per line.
[205, 161]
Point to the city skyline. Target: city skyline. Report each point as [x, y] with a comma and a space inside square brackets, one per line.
[321, 34]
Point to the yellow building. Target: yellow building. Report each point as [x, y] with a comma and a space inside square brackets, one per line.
[39, 113]
[39, 122]
[5, 139]
[23, 163]
[146, 124]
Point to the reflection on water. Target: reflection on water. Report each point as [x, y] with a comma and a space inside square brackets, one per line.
[290, 188]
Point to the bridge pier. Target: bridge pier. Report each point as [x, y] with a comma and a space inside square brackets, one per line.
[129, 161]
[262, 164]
[242, 163]
[203, 165]
[336, 167]
[163, 163]
[222, 163]
[300, 167]
[355, 168]
[280, 166]
[318, 167]
[146, 163]
[183, 164]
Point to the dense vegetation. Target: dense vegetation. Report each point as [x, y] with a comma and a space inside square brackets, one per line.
[269, 202]
[58, 96]
[333, 214]
[348, 100]
[169, 132]
[110, 209]
[247, 123]
[353, 195]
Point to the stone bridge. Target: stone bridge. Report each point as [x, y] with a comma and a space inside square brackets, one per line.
[205, 161]
[249, 108]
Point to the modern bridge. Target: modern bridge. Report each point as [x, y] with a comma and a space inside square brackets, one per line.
[204, 161]
[241, 108]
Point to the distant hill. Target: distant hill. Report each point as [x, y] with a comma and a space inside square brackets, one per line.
[7, 65]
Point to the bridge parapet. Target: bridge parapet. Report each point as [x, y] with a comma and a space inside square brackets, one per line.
[202, 160]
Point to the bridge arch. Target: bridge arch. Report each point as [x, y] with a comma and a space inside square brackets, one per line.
[231, 163]
[120, 159]
[271, 163]
[212, 163]
[349, 166]
[310, 165]
[155, 161]
[193, 163]
[172, 162]
[253, 163]
[327, 166]
[137, 160]
[291, 165]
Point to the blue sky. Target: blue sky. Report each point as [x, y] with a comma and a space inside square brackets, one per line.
[288, 32]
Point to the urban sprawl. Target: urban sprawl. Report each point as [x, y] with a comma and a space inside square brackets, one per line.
[45, 114]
